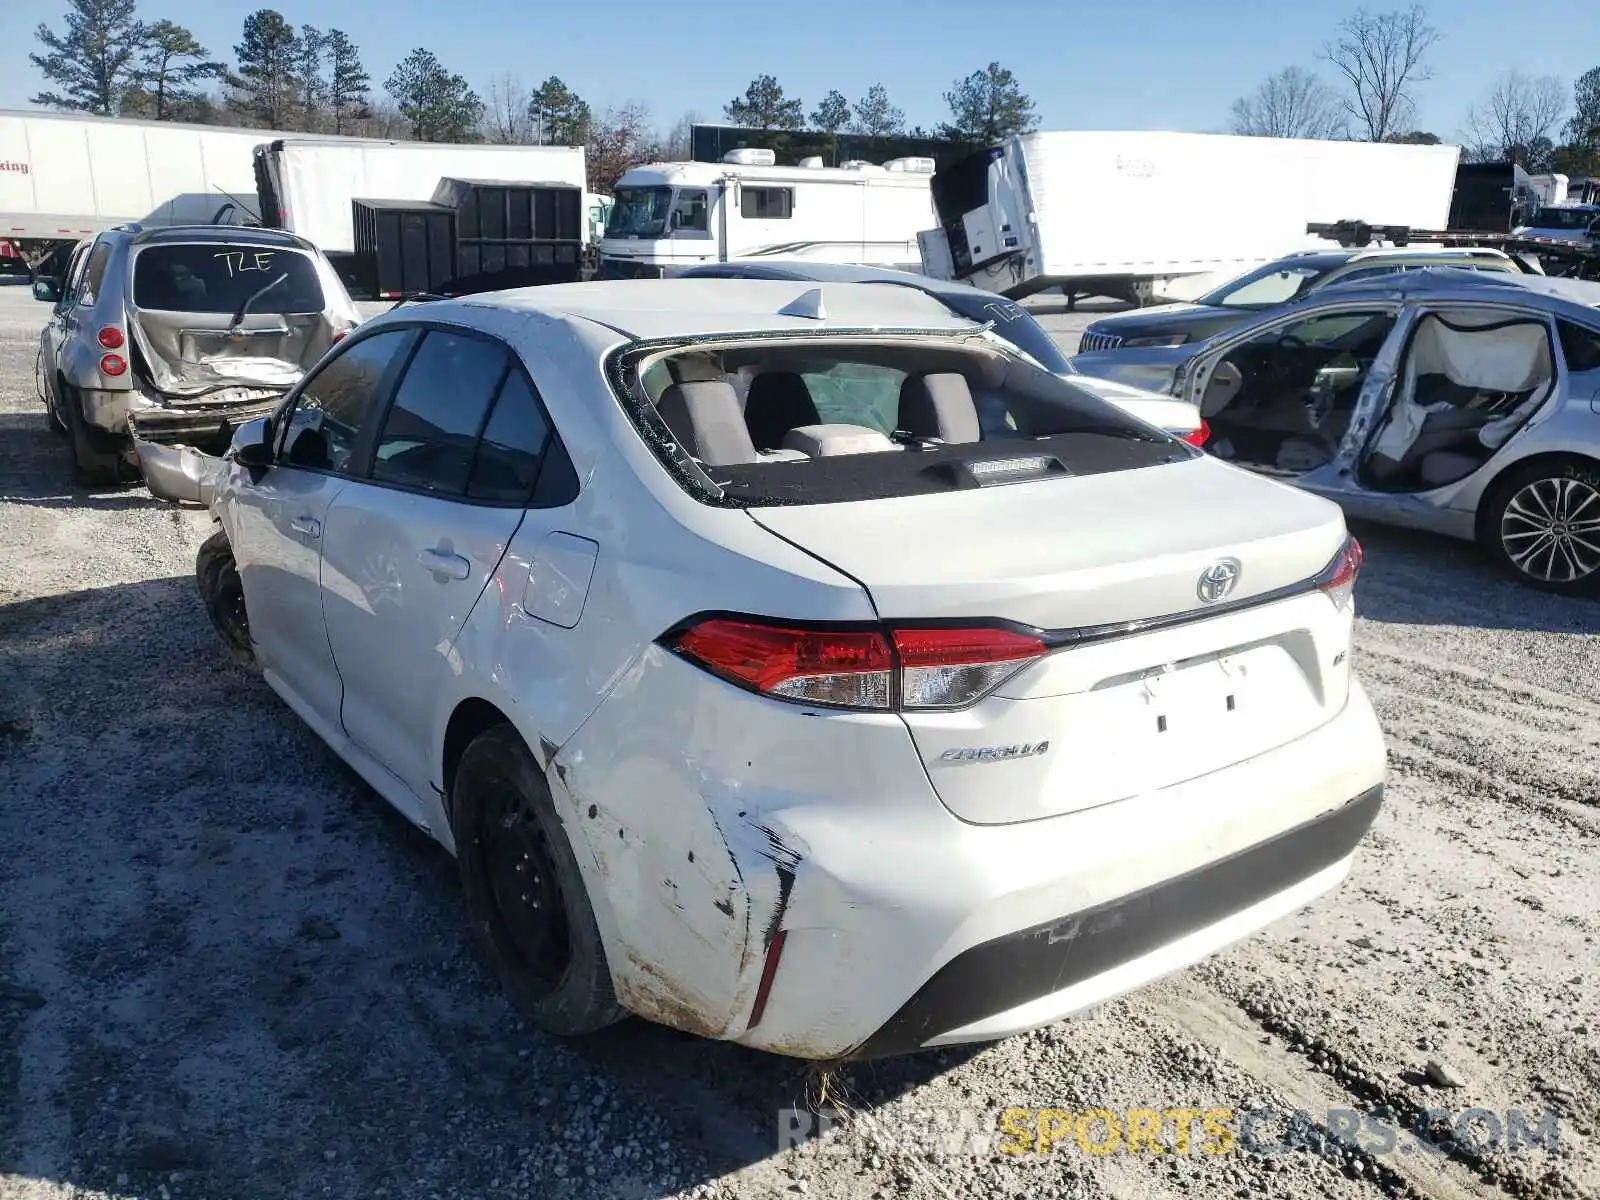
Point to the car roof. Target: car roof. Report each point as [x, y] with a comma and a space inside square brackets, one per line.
[1454, 281]
[821, 272]
[666, 308]
[249, 235]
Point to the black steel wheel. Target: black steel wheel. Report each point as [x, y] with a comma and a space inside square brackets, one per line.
[525, 892]
[222, 592]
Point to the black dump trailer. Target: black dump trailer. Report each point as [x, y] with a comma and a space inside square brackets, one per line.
[475, 235]
[513, 234]
[403, 247]
[1486, 198]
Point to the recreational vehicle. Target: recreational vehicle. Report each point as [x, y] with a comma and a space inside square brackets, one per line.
[668, 215]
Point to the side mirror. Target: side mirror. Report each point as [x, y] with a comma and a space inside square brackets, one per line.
[252, 445]
[44, 289]
[675, 219]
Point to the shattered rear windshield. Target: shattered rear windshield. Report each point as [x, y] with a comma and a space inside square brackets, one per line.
[830, 420]
[218, 278]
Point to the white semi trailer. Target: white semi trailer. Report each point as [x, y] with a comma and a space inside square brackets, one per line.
[1170, 215]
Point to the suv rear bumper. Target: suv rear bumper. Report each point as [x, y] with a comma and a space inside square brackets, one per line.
[205, 427]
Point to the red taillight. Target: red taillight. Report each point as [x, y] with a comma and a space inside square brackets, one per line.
[843, 669]
[1199, 436]
[112, 364]
[111, 338]
[946, 667]
[1338, 578]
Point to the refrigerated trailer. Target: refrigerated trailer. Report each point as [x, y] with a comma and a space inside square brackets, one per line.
[1163, 215]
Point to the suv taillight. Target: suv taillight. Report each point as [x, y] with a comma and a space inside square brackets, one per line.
[1199, 436]
[916, 667]
[1338, 578]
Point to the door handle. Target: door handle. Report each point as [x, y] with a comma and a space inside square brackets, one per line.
[442, 562]
[309, 526]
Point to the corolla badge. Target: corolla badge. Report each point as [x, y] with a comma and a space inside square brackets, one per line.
[1217, 580]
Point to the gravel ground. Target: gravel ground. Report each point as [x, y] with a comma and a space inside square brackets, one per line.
[226, 970]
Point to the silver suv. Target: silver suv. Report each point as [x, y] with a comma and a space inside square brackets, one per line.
[179, 335]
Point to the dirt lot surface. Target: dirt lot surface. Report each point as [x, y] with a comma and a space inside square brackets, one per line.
[227, 970]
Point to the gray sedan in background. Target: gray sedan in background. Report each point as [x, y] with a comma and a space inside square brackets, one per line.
[1462, 402]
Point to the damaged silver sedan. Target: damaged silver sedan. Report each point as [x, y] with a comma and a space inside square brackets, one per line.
[162, 342]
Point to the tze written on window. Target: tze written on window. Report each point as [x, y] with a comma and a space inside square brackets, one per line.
[240, 261]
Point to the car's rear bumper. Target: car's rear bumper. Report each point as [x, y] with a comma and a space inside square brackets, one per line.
[1038, 975]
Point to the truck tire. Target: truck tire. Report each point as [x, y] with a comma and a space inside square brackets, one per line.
[91, 468]
[525, 893]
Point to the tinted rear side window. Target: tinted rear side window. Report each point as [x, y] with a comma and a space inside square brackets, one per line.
[441, 405]
[507, 465]
[1580, 346]
[217, 278]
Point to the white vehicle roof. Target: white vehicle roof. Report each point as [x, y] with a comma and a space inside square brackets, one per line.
[702, 174]
[664, 308]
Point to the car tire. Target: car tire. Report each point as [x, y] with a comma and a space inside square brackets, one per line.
[525, 893]
[91, 468]
[221, 590]
[1533, 524]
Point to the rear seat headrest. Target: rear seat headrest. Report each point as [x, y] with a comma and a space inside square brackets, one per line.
[706, 419]
[939, 405]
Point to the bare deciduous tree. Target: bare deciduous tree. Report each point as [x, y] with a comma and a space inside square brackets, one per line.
[505, 119]
[678, 145]
[1517, 120]
[620, 139]
[1380, 57]
[1291, 104]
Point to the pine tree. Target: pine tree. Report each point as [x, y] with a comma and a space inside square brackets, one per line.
[764, 106]
[348, 82]
[269, 57]
[987, 106]
[171, 62]
[310, 87]
[560, 117]
[833, 114]
[439, 104]
[94, 61]
[875, 116]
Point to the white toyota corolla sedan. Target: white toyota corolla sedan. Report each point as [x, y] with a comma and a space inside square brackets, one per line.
[798, 665]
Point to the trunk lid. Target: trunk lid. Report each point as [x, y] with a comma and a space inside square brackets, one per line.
[1114, 716]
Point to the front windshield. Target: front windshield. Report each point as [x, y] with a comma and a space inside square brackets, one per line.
[639, 212]
[1566, 218]
[1265, 287]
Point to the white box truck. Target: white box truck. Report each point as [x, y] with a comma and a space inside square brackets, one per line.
[1164, 215]
[668, 215]
[306, 184]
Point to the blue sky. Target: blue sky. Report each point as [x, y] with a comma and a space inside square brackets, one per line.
[1155, 64]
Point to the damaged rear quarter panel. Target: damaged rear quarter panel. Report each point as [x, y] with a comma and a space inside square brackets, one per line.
[701, 805]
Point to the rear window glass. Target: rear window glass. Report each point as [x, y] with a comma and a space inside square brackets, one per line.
[829, 421]
[217, 278]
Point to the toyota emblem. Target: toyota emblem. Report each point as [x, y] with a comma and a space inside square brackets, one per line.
[1217, 580]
